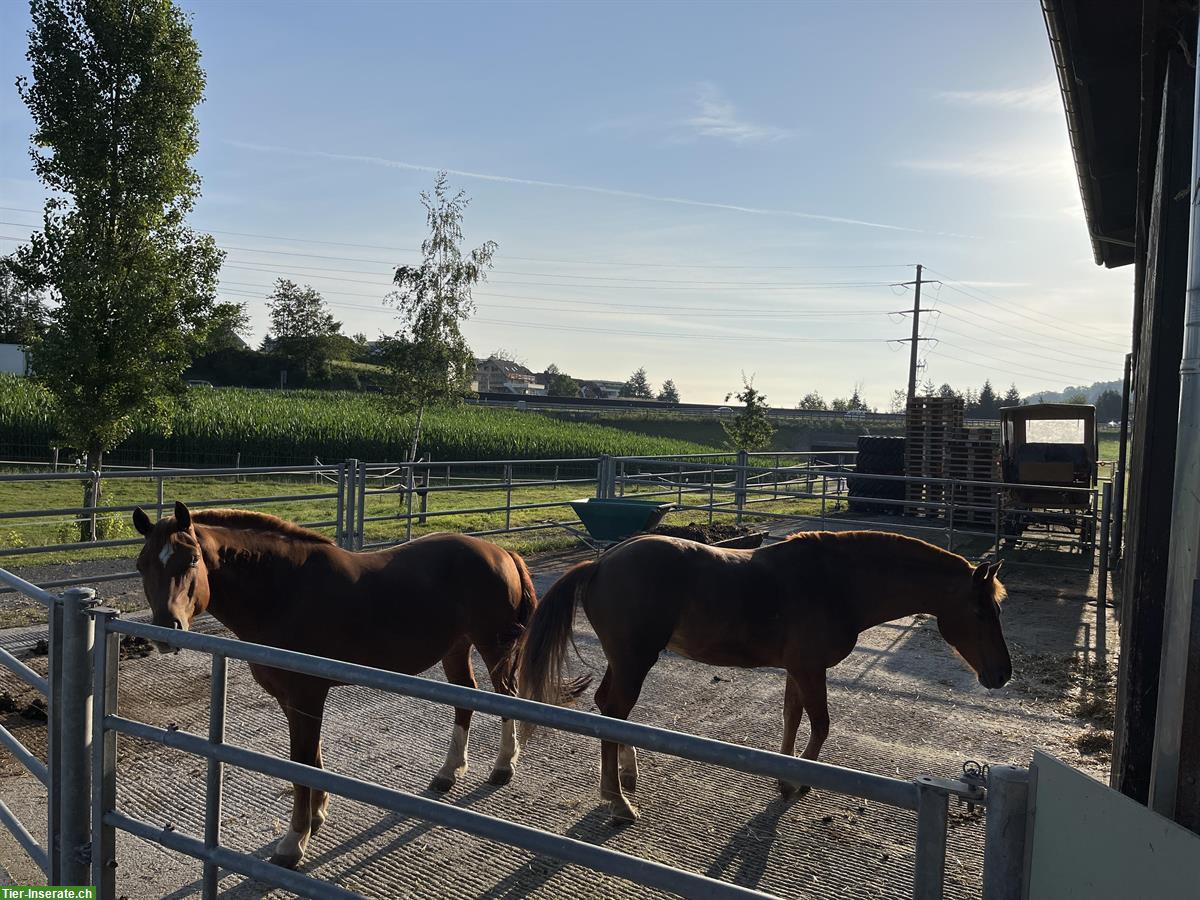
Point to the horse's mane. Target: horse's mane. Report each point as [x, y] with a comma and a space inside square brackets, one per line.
[904, 544]
[246, 520]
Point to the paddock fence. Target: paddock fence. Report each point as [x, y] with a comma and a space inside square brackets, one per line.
[368, 505]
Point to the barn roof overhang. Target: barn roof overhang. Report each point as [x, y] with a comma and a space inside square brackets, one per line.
[1098, 53]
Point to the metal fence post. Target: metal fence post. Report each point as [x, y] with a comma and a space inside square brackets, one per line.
[507, 496]
[339, 528]
[712, 491]
[54, 742]
[75, 730]
[740, 479]
[360, 506]
[104, 755]
[408, 500]
[214, 775]
[824, 492]
[1007, 825]
[679, 487]
[605, 476]
[1102, 583]
[159, 497]
[950, 519]
[1117, 516]
[423, 493]
[351, 472]
[929, 867]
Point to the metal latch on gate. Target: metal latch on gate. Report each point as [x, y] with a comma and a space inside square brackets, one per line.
[976, 775]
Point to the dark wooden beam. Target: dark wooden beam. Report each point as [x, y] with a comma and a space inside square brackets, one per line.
[1155, 406]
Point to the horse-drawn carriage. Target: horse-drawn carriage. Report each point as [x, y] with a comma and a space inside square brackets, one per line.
[1049, 461]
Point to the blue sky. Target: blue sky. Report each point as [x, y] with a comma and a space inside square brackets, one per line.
[700, 189]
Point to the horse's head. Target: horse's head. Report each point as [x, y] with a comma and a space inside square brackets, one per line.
[971, 624]
[174, 576]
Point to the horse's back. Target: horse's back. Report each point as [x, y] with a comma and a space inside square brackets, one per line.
[708, 603]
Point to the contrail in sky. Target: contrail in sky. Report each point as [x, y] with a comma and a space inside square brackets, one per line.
[611, 192]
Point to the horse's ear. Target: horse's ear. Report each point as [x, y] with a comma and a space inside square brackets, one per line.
[142, 522]
[994, 570]
[980, 574]
[183, 517]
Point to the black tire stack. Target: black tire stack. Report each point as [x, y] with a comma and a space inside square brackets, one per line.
[878, 455]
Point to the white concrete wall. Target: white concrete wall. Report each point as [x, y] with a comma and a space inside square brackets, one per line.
[12, 359]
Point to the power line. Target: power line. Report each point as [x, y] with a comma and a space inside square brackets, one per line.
[1000, 303]
[1001, 359]
[1020, 332]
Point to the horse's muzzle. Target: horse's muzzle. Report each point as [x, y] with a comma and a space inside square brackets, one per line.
[163, 646]
[995, 679]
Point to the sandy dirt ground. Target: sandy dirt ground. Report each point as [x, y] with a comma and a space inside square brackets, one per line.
[902, 705]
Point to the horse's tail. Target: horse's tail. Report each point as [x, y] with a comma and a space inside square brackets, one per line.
[529, 602]
[544, 646]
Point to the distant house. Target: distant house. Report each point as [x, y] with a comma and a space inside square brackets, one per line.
[600, 390]
[13, 359]
[503, 376]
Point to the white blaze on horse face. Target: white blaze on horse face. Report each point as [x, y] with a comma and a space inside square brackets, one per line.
[165, 554]
[456, 757]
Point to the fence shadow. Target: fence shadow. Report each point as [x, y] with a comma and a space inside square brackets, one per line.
[595, 828]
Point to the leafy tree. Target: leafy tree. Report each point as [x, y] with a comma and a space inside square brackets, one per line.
[839, 404]
[947, 392]
[229, 323]
[812, 400]
[638, 386]
[1108, 406]
[751, 428]
[22, 315]
[856, 402]
[1012, 397]
[429, 359]
[112, 99]
[302, 329]
[987, 405]
[669, 393]
[899, 401]
[1078, 398]
[560, 383]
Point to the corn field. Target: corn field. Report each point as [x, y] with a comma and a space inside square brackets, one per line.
[265, 427]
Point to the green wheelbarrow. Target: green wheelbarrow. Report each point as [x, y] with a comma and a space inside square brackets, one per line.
[610, 520]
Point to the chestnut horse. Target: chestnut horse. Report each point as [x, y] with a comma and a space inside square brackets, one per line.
[798, 605]
[401, 609]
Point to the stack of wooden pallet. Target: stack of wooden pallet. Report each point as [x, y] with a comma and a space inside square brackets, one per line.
[930, 422]
[973, 454]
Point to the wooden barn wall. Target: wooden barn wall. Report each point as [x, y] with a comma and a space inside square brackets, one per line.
[1155, 410]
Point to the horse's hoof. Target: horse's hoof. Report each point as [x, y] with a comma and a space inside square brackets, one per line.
[286, 860]
[629, 781]
[793, 791]
[441, 784]
[623, 814]
[500, 777]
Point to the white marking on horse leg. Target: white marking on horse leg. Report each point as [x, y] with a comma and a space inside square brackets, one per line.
[627, 764]
[455, 765]
[510, 749]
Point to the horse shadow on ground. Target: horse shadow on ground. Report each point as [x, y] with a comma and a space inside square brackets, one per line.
[744, 859]
[252, 889]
